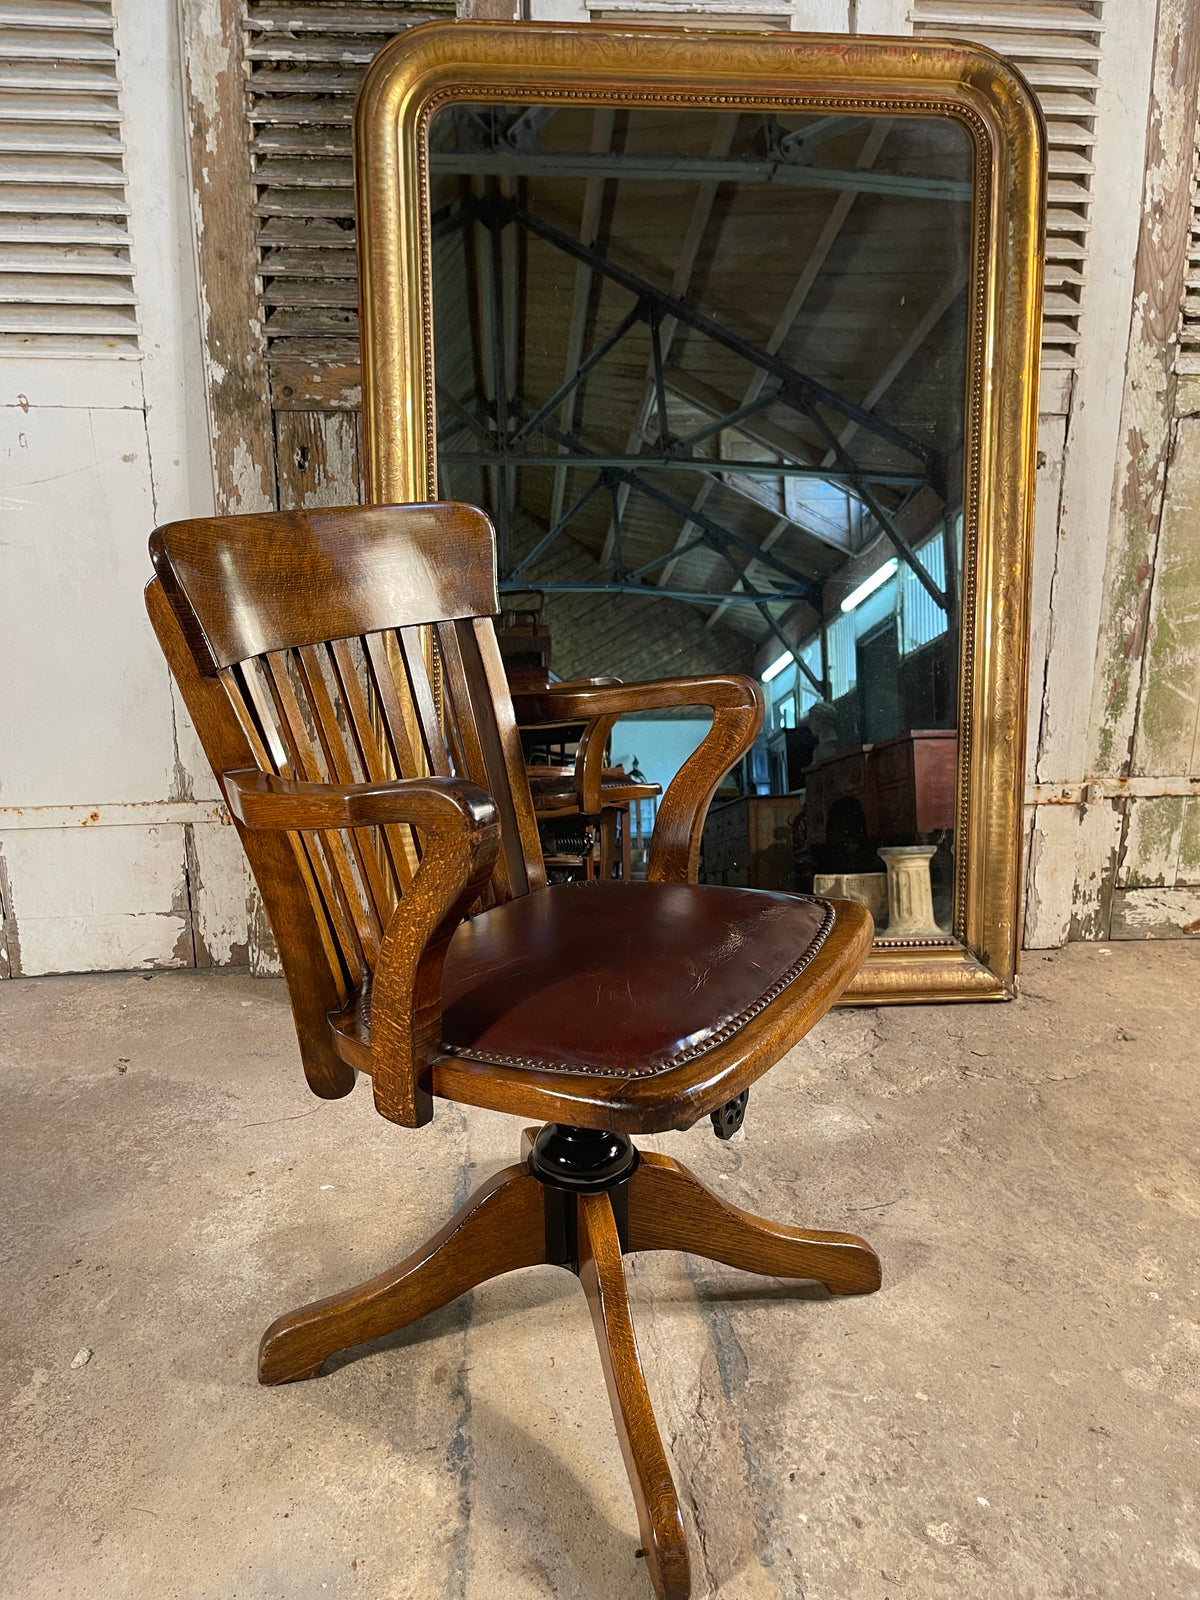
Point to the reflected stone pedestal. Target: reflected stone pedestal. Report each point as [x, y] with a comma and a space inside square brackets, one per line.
[910, 896]
[867, 888]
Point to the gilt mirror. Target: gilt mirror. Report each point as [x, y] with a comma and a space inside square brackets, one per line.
[735, 337]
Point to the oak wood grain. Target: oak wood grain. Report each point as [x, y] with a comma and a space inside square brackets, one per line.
[670, 1209]
[500, 1229]
[246, 586]
[659, 1519]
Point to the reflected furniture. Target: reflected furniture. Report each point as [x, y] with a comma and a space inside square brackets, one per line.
[585, 793]
[397, 855]
[749, 843]
[904, 786]
[558, 800]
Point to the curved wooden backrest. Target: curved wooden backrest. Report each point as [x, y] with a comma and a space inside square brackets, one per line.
[247, 586]
[297, 640]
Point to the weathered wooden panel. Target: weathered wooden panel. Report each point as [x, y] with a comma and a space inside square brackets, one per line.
[1187, 396]
[1072, 865]
[1150, 397]
[223, 190]
[217, 893]
[1105, 301]
[1156, 914]
[10, 949]
[99, 899]
[1052, 437]
[1153, 835]
[1188, 870]
[317, 458]
[76, 654]
[1165, 740]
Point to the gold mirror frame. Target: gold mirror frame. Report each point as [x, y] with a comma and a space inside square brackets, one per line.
[440, 62]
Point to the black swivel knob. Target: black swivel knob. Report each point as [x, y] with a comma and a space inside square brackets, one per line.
[727, 1119]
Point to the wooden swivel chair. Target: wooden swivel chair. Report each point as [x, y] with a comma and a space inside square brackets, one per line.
[602, 1009]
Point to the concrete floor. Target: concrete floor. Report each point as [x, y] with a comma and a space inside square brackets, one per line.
[1016, 1414]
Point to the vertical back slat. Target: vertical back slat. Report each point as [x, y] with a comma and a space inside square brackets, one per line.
[359, 926]
[264, 716]
[447, 714]
[270, 757]
[397, 840]
[420, 684]
[384, 685]
[381, 894]
[491, 690]
[472, 712]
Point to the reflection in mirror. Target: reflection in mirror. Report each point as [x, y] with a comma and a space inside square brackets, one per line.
[707, 371]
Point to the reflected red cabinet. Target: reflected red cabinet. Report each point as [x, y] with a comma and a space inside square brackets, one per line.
[906, 786]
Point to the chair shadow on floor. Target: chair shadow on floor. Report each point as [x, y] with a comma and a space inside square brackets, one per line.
[602, 1556]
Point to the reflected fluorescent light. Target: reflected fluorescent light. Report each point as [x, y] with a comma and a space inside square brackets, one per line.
[869, 586]
[777, 667]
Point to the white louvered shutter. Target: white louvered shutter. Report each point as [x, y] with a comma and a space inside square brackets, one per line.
[1188, 359]
[304, 65]
[66, 283]
[1057, 45]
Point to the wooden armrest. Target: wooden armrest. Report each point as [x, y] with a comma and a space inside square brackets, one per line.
[589, 758]
[261, 800]
[530, 700]
[737, 707]
[460, 839]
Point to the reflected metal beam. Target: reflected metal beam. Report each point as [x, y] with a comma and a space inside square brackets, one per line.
[689, 250]
[708, 464]
[925, 325]
[696, 169]
[797, 390]
[603, 123]
[877, 133]
[716, 534]
[697, 597]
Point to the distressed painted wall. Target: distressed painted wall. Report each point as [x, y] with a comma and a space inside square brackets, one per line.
[1114, 842]
[113, 849]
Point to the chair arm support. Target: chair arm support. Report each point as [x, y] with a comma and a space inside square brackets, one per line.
[737, 707]
[460, 839]
[589, 760]
[261, 800]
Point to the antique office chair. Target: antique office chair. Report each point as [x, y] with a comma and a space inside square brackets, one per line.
[605, 1009]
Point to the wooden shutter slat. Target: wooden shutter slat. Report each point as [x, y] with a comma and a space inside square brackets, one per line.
[304, 65]
[66, 277]
[1060, 49]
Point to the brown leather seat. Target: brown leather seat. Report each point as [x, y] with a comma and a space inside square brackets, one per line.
[621, 980]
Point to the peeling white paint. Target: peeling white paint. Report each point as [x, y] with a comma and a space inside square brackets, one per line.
[246, 491]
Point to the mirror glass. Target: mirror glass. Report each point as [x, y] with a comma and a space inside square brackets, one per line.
[707, 372]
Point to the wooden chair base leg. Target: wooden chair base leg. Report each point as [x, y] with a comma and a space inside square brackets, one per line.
[603, 1277]
[515, 1221]
[669, 1209]
[500, 1228]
